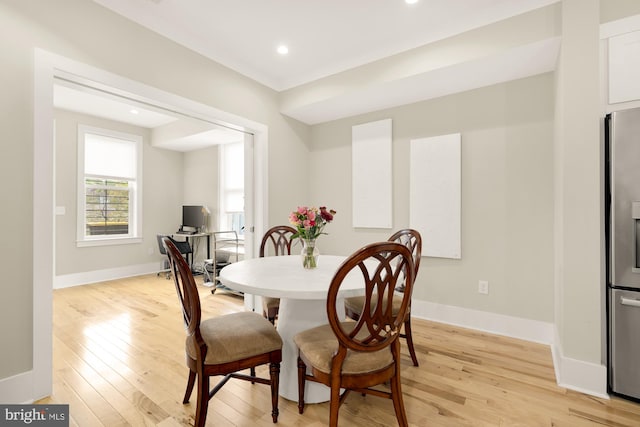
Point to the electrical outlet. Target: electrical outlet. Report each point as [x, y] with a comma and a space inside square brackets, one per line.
[150, 250]
[483, 287]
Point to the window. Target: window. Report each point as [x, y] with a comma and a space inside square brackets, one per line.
[232, 187]
[109, 187]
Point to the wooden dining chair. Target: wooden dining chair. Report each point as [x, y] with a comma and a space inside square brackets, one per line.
[354, 305]
[358, 355]
[223, 345]
[275, 242]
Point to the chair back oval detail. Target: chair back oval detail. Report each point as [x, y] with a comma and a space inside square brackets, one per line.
[362, 354]
[353, 306]
[276, 241]
[383, 266]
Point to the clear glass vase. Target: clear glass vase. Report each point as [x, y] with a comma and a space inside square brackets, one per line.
[309, 253]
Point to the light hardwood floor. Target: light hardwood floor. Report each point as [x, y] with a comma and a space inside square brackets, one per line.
[119, 360]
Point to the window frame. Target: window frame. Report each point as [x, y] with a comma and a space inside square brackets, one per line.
[134, 234]
[226, 218]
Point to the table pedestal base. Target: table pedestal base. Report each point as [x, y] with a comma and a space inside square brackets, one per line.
[295, 316]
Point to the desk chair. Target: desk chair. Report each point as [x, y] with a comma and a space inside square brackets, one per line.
[222, 345]
[356, 356]
[183, 247]
[353, 306]
[276, 241]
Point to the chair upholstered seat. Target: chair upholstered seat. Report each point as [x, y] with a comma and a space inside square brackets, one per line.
[355, 304]
[236, 336]
[320, 344]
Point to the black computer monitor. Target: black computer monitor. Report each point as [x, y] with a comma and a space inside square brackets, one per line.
[194, 216]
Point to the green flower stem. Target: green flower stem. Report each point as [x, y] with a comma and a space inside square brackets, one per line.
[309, 259]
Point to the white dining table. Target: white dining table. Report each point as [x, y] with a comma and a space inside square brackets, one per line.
[303, 299]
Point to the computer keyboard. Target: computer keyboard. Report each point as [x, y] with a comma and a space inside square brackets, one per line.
[185, 232]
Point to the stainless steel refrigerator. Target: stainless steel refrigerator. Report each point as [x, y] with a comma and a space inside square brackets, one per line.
[622, 216]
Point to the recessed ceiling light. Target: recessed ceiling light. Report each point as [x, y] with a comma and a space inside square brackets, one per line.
[134, 111]
[283, 50]
[411, 1]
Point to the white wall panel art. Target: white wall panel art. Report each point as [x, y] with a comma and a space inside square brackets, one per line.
[372, 174]
[435, 193]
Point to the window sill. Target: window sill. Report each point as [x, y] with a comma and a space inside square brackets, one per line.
[108, 241]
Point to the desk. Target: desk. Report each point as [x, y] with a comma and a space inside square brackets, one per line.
[188, 238]
[303, 296]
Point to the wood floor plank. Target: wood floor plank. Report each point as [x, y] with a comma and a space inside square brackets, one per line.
[108, 391]
[119, 360]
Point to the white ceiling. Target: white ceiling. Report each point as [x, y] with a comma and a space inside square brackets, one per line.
[324, 36]
[186, 133]
[87, 101]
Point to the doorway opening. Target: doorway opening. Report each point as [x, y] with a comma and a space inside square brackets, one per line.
[50, 68]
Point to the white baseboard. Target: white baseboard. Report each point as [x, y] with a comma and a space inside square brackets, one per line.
[578, 375]
[17, 389]
[75, 279]
[499, 324]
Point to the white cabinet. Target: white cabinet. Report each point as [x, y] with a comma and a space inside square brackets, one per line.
[624, 67]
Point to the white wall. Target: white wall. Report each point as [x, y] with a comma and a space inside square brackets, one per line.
[507, 194]
[611, 10]
[578, 182]
[201, 188]
[162, 198]
[100, 38]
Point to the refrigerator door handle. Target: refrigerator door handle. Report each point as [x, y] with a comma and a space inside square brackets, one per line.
[635, 238]
[630, 302]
